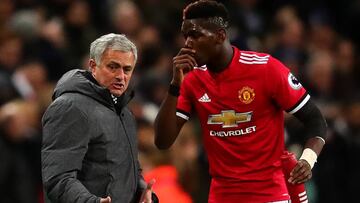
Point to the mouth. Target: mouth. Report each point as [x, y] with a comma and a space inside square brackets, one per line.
[118, 86]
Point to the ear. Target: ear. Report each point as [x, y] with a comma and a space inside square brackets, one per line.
[220, 36]
[92, 65]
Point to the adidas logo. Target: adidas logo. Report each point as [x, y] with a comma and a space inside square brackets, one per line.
[204, 98]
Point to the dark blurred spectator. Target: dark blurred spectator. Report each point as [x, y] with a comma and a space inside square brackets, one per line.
[51, 48]
[337, 174]
[11, 47]
[78, 31]
[345, 75]
[319, 75]
[288, 40]
[6, 10]
[20, 179]
[126, 18]
[247, 24]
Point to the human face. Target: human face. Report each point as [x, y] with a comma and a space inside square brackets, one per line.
[114, 71]
[201, 39]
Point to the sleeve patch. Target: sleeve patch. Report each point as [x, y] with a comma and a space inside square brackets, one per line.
[293, 82]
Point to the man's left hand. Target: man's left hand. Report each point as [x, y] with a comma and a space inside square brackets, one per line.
[301, 172]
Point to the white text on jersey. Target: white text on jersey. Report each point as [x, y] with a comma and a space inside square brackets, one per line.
[232, 133]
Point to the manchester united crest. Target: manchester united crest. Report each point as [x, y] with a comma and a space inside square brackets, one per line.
[246, 95]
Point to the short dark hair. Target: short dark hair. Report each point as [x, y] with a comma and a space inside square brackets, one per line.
[210, 10]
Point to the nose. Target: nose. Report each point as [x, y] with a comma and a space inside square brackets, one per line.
[119, 74]
[189, 43]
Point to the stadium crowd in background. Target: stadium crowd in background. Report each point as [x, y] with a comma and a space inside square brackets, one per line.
[41, 40]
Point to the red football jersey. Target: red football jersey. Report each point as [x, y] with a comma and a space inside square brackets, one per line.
[242, 121]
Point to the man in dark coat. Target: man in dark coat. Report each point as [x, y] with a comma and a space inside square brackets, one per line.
[89, 151]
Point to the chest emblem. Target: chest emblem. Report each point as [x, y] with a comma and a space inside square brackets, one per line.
[246, 95]
[229, 118]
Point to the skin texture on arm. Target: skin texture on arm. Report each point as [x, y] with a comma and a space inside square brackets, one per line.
[315, 123]
[167, 124]
[302, 171]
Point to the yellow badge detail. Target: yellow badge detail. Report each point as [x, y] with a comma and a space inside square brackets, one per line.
[229, 118]
[246, 95]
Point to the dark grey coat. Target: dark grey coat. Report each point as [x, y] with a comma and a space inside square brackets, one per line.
[89, 144]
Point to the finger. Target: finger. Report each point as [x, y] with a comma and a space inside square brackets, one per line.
[180, 64]
[150, 184]
[185, 67]
[185, 57]
[308, 177]
[304, 176]
[105, 200]
[146, 194]
[185, 50]
[188, 57]
[296, 169]
[295, 172]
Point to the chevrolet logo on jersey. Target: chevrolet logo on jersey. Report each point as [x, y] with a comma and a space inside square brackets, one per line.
[229, 118]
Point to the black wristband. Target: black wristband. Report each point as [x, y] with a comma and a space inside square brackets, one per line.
[174, 90]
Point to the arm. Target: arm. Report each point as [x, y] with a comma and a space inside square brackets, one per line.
[64, 146]
[167, 124]
[315, 123]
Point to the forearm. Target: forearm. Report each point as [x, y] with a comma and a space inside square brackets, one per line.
[167, 124]
[316, 126]
[316, 144]
[166, 127]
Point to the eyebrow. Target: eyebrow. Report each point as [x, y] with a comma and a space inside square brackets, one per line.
[119, 65]
[114, 63]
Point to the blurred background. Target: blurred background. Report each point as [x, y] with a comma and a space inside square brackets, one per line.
[42, 39]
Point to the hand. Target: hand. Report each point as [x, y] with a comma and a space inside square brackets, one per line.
[301, 172]
[183, 62]
[146, 195]
[105, 200]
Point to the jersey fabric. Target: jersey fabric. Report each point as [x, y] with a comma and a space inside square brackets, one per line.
[241, 114]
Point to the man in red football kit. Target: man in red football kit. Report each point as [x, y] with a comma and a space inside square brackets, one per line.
[240, 98]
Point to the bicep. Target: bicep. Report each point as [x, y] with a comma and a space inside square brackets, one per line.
[312, 119]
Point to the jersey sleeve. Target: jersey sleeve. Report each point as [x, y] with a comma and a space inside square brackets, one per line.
[184, 105]
[285, 89]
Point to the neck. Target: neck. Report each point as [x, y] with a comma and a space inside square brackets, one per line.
[223, 60]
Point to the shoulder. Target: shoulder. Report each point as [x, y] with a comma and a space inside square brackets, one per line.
[70, 103]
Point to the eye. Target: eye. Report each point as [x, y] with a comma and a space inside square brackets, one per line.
[112, 66]
[194, 34]
[185, 35]
[127, 69]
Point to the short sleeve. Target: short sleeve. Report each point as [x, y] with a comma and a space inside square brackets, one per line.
[285, 89]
